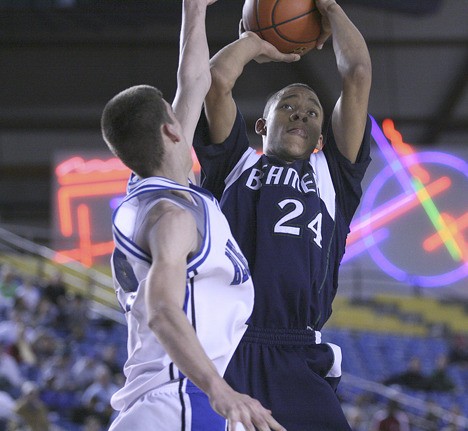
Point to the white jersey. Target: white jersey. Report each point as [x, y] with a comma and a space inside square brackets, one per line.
[219, 291]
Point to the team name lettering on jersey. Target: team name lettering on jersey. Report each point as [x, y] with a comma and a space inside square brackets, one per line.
[280, 175]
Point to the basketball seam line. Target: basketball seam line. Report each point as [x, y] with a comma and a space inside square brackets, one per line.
[259, 30]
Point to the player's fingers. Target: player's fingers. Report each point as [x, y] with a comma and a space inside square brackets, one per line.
[266, 422]
[325, 32]
[322, 39]
[248, 425]
[290, 58]
[275, 425]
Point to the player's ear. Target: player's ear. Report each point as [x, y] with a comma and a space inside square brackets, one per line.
[169, 130]
[319, 145]
[260, 127]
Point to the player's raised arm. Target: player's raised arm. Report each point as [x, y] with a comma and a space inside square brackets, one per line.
[226, 67]
[193, 74]
[354, 65]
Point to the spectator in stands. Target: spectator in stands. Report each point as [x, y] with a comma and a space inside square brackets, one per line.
[10, 326]
[439, 379]
[458, 350]
[92, 423]
[109, 357]
[7, 405]
[90, 414]
[44, 344]
[22, 351]
[56, 372]
[456, 420]
[412, 378]
[85, 369]
[11, 378]
[357, 412]
[55, 288]
[32, 411]
[101, 390]
[46, 314]
[431, 421]
[391, 418]
[29, 293]
[74, 315]
[8, 284]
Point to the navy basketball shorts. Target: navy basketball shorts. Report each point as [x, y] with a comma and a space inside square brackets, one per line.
[293, 376]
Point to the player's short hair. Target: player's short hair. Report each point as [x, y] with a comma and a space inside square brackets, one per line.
[273, 97]
[131, 127]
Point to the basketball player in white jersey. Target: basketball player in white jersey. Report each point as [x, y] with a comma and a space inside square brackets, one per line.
[179, 275]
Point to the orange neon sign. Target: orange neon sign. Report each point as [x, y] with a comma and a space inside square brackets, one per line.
[80, 183]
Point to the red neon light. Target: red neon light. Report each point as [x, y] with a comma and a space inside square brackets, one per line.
[81, 179]
[76, 170]
[66, 194]
[96, 250]
[456, 227]
[393, 209]
[84, 230]
[404, 149]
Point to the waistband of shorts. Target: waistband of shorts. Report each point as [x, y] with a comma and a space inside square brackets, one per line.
[282, 336]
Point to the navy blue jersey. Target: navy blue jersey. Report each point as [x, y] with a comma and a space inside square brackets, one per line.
[290, 220]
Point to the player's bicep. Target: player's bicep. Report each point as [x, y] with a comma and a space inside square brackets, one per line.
[171, 240]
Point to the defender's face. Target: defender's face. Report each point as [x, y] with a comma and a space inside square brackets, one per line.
[293, 127]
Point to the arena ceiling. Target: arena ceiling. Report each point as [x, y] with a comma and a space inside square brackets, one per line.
[62, 60]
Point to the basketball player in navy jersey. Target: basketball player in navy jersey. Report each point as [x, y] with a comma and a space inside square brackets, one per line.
[179, 275]
[290, 211]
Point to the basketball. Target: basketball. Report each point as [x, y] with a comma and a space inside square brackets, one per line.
[292, 26]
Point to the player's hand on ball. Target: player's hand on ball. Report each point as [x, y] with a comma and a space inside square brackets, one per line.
[267, 52]
[325, 33]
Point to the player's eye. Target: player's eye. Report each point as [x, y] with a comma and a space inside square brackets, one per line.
[286, 106]
[312, 113]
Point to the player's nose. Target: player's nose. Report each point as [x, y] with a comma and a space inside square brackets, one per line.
[298, 115]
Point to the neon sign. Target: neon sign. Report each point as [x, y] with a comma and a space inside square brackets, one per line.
[88, 191]
[415, 188]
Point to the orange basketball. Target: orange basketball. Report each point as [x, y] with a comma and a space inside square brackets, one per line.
[292, 26]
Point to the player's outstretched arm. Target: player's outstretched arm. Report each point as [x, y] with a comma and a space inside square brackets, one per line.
[193, 74]
[226, 67]
[172, 237]
[354, 65]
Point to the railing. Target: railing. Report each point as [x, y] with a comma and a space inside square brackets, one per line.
[407, 402]
[37, 260]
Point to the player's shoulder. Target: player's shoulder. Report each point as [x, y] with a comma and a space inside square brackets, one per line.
[168, 221]
[168, 210]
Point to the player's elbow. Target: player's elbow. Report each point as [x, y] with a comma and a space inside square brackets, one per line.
[359, 75]
[221, 82]
[200, 80]
[159, 317]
